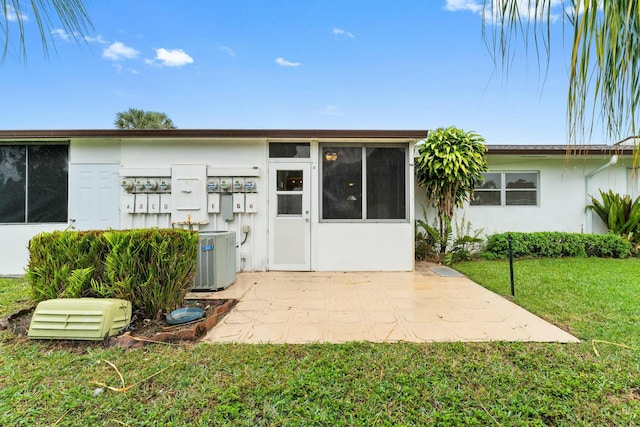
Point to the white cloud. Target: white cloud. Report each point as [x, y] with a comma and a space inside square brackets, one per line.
[13, 16]
[283, 62]
[457, 5]
[171, 58]
[526, 8]
[227, 50]
[118, 51]
[339, 32]
[62, 34]
[96, 39]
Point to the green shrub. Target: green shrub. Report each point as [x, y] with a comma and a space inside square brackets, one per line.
[557, 244]
[620, 213]
[153, 268]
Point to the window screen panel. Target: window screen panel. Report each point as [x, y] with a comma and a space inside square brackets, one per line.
[13, 183]
[386, 183]
[342, 183]
[48, 183]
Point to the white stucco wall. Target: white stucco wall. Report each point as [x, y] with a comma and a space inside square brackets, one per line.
[219, 157]
[563, 190]
[15, 242]
[364, 247]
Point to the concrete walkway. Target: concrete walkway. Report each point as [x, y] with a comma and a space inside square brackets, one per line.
[420, 306]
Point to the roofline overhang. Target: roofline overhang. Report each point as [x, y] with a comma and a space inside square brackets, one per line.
[303, 134]
[559, 150]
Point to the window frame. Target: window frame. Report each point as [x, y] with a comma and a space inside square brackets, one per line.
[28, 184]
[364, 146]
[503, 190]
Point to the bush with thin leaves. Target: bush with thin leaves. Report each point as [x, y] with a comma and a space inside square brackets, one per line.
[621, 214]
[153, 268]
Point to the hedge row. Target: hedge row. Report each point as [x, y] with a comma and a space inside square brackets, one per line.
[152, 268]
[558, 244]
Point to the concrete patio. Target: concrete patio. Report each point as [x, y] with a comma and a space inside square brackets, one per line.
[419, 306]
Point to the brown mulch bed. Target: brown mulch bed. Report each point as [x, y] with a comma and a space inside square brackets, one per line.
[140, 332]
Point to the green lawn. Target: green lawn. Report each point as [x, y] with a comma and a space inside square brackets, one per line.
[593, 298]
[351, 384]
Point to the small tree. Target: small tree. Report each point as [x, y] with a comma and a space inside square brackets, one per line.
[140, 119]
[451, 161]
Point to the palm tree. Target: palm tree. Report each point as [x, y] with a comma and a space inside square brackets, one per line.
[70, 15]
[140, 119]
[604, 73]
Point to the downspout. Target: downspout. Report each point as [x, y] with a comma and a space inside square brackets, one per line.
[587, 213]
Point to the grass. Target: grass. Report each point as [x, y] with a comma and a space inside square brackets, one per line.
[345, 384]
[593, 298]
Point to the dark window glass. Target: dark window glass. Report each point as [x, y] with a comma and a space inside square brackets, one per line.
[48, 183]
[289, 180]
[290, 150]
[491, 181]
[386, 185]
[13, 183]
[289, 204]
[521, 180]
[34, 183]
[342, 183]
[487, 192]
[521, 198]
[486, 198]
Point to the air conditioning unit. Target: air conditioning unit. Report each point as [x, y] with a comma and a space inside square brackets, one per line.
[216, 261]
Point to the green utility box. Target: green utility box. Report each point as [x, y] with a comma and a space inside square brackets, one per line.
[79, 318]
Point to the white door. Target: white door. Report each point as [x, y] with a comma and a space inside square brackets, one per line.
[94, 196]
[289, 216]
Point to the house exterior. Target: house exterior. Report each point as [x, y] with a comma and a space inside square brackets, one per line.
[545, 188]
[306, 200]
[309, 200]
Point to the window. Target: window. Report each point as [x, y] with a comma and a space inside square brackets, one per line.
[289, 150]
[289, 192]
[364, 183]
[33, 183]
[507, 189]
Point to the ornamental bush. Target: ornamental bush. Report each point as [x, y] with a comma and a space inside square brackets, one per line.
[553, 244]
[152, 268]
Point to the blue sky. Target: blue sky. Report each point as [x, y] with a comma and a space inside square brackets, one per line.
[331, 64]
